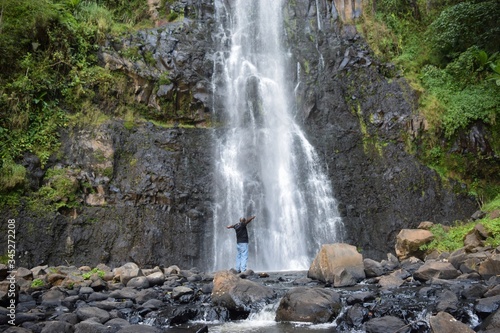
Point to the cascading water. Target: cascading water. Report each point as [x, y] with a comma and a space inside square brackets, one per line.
[264, 164]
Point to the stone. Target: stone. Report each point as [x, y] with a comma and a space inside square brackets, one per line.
[116, 324]
[492, 322]
[172, 270]
[90, 326]
[88, 312]
[238, 294]
[58, 326]
[24, 273]
[304, 304]
[139, 282]
[425, 225]
[487, 305]
[409, 241]
[436, 270]
[139, 328]
[390, 282]
[445, 323]
[372, 268]
[125, 293]
[156, 278]
[53, 297]
[386, 324]
[181, 291]
[447, 302]
[146, 295]
[411, 264]
[127, 272]
[340, 264]
[490, 267]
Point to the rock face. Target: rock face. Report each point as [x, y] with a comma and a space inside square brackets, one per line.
[154, 205]
[340, 264]
[357, 113]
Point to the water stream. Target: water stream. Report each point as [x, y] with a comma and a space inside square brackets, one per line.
[265, 165]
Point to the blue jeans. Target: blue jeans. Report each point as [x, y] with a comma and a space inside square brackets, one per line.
[241, 257]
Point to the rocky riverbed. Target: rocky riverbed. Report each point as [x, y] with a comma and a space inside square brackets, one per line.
[450, 292]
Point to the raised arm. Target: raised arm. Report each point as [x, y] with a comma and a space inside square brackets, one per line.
[230, 226]
[250, 219]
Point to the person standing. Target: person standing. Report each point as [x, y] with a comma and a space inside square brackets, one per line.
[241, 242]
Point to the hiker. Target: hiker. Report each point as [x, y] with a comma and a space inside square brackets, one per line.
[241, 242]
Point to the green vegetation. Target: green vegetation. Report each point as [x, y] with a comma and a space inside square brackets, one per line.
[37, 283]
[59, 191]
[449, 52]
[100, 273]
[51, 78]
[451, 239]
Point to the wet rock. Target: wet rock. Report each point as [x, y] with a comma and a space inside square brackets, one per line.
[53, 297]
[140, 282]
[436, 269]
[156, 278]
[390, 282]
[445, 323]
[85, 313]
[180, 291]
[139, 328]
[372, 268]
[125, 293]
[386, 324]
[24, 273]
[340, 264]
[487, 305]
[360, 297]
[490, 267]
[309, 305]
[491, 323]
[357, 315]
[90, 326]
[58, 326]
[447, 302]
[238, 294]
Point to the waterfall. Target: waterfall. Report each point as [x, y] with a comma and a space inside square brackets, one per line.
[265, 165]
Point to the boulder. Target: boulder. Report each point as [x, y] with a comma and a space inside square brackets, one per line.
[445, 323]
[88, 312]
[340, 264]
[487, 305]
[58, 326]
[156, 278]
[90, 326]
[492, 322]
[386, 324]
[409, 241]
[127, 272]
[436, 270]
[373, 268]
[238, 294]
[447, 302]
[490, 267]
[139, 282]
[309, 305]
[390, 282]
[24, 273]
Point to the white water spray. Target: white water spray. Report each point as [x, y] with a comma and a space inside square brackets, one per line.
[265, 166]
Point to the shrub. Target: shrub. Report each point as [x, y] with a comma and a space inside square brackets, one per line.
[11, 174]
[466, 24]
